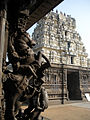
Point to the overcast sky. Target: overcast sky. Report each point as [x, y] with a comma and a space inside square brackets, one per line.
[80, 10]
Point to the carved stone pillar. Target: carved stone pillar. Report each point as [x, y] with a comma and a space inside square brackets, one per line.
[2, 41]
[64, 84]
[6, 42]
[80, 78]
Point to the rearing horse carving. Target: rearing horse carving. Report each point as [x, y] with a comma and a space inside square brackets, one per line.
[24, 83]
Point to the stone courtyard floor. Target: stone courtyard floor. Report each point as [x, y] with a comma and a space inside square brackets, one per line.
[73, 111]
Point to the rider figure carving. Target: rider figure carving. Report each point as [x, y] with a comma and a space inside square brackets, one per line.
[26, 63]
[22, 56]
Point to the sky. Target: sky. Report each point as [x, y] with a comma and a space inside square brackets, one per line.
[80, 10]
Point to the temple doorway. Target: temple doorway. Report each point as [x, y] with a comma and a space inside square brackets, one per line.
[73, 85]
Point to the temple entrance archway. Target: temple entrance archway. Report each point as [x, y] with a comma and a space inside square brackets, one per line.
[73, 85]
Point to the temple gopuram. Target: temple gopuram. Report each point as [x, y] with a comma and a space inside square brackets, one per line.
[69, 75]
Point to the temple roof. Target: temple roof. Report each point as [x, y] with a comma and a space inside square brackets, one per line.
[37, 8]
[40, 11]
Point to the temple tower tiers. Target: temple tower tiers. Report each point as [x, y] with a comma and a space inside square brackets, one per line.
[69, 76]
[56, 36]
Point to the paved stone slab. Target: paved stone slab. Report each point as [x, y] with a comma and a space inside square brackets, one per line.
[84, 105]
[75, 111]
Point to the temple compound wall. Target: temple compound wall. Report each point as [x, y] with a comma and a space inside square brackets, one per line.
[69, 76]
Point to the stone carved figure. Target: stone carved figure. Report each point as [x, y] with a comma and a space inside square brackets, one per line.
[26, 79]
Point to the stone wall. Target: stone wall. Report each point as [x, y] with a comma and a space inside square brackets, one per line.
[67, 82]
[55, 83]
